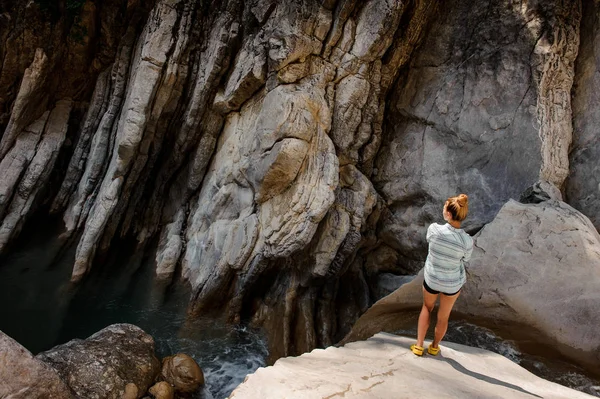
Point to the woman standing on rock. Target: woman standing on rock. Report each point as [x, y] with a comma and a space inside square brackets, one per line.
[449, 248]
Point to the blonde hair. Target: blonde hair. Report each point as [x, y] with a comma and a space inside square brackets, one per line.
[458, 207]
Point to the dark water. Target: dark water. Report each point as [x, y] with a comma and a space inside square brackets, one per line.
[41, 309]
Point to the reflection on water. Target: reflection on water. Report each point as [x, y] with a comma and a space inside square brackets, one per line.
[40, 308]
[555, 370]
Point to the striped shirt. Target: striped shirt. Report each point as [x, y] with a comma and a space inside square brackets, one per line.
[449, 249]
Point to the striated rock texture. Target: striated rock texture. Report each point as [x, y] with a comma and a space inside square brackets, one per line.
[22, 376]
[283, 154]
[111, 363]
[535, 264]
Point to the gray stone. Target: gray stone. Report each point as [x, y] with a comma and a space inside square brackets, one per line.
[33, 172]
[582, 188]
[248, 75]
[541, 191]
[144, 83]
[25, 103]
[387, 283]
[558, 49]
[474, 113]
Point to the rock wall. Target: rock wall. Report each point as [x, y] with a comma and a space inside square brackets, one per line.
[282, 154]
[483, 110]
[583, 183]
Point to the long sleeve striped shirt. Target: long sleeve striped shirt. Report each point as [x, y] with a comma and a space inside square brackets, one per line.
[449, 249]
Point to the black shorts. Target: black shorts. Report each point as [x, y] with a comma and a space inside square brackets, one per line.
[434, 292]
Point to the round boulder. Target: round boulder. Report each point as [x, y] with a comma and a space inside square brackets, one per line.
[115, 362]
[182, 372]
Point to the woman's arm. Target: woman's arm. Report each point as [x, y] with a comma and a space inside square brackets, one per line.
[469, 251]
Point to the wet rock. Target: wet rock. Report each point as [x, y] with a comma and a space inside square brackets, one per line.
[23, 376]
[118, 360]
[182, 372]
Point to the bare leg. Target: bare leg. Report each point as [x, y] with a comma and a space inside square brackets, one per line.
[424, 317]
[441, 326]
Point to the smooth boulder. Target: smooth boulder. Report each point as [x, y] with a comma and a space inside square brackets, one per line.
[384, 367]
[107, 364]
[537, 265]
[182, 372]
[22, 376]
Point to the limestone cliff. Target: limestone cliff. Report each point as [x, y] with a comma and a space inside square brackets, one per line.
[283, 154]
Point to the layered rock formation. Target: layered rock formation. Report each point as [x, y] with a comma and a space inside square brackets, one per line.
[282, 154]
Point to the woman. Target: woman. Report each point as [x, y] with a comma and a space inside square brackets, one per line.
[449, 248]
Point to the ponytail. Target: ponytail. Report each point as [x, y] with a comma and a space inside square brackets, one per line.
[458, 207]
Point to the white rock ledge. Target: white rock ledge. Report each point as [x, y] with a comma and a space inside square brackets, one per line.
[384, 367]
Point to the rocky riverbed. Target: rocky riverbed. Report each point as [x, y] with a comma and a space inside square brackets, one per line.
[117, 362]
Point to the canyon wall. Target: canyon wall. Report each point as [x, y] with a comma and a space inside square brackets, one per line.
[284, 155]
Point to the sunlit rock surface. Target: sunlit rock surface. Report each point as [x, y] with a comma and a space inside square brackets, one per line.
[383, 367]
